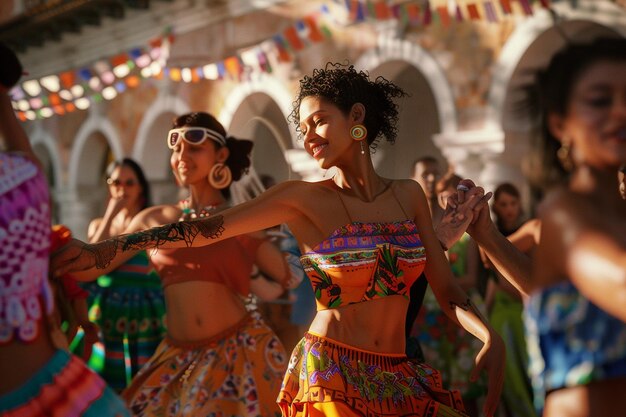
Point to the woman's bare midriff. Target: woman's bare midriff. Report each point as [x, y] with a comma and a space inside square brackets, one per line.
[198, 310]
[376, 325]
[601, 398]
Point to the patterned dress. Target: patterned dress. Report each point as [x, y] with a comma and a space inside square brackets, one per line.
[128, 306]
[64, 386]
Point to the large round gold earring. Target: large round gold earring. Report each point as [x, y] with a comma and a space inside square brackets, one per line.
[220, 176]
[358, 132]
[565, 156]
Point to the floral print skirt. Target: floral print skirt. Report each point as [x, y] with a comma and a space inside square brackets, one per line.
[329, 378]
[236, 374]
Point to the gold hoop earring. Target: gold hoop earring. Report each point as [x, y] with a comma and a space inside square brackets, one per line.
[358, 132]
[564, 154]
[220, 176]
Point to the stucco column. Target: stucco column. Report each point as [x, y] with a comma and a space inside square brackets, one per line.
[75, 212]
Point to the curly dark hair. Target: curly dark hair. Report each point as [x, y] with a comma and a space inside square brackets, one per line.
[551, 94]
[343, 85]
[239, 149]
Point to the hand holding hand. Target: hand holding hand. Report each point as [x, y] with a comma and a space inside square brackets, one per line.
[461, 211]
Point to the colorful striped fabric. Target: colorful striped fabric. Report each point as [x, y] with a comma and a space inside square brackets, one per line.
[128, 306]
[64, 387]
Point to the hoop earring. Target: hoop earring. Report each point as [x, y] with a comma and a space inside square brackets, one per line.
[564, 154]
[220, 176]
[358, 132]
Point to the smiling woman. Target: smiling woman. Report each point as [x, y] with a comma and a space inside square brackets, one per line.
[576, 323]
[365, 240]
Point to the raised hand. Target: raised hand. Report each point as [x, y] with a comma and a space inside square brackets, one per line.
[462, 210]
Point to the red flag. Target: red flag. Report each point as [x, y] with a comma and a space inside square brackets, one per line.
[473, 12]
[443, 15]
[314, 32]
[291, 35]
[67, 78]
[506, 6]
[382, 11]
[119, 60]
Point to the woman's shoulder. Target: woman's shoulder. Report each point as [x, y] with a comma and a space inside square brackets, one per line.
[158, 215]
[565, 208]
[300, 188]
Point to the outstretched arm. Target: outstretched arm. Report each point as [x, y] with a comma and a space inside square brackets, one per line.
[269, 209]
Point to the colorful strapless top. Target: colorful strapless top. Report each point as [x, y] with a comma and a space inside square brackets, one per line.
[571, 341]
[365, 261]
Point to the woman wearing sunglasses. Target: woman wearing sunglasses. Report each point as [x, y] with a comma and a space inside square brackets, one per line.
[217, 358]
[365, 240]
[127, 304]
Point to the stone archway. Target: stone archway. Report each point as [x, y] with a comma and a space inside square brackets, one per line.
[528, 49]
[97, 143]
[428, 111]
[150, 149]
[259, 109]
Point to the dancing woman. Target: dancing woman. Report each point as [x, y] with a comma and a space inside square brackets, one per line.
[217, 357]
[365, 239]
[38, 377]
[577, 322]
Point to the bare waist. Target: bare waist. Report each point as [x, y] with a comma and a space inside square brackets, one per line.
[376, 325]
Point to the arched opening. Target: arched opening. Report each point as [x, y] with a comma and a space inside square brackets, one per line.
[418, 121]
[154, 158]
[260, 119]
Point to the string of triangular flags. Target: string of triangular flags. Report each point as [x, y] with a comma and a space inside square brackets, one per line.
[78, 89]
[425, 12]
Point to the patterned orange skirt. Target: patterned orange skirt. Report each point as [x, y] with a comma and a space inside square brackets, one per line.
[329, 378]
[236, 373]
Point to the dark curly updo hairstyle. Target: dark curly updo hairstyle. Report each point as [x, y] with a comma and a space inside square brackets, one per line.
[146, 200]
[551, 93]
[239, 149]
[344, 86]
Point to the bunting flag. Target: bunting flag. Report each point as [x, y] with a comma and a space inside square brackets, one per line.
[104, 79]
[443, 12]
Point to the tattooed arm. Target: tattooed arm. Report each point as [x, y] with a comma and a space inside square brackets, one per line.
[107, 254]
[271, 208]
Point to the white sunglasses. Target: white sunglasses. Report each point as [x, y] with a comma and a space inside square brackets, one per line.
[193, 136]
